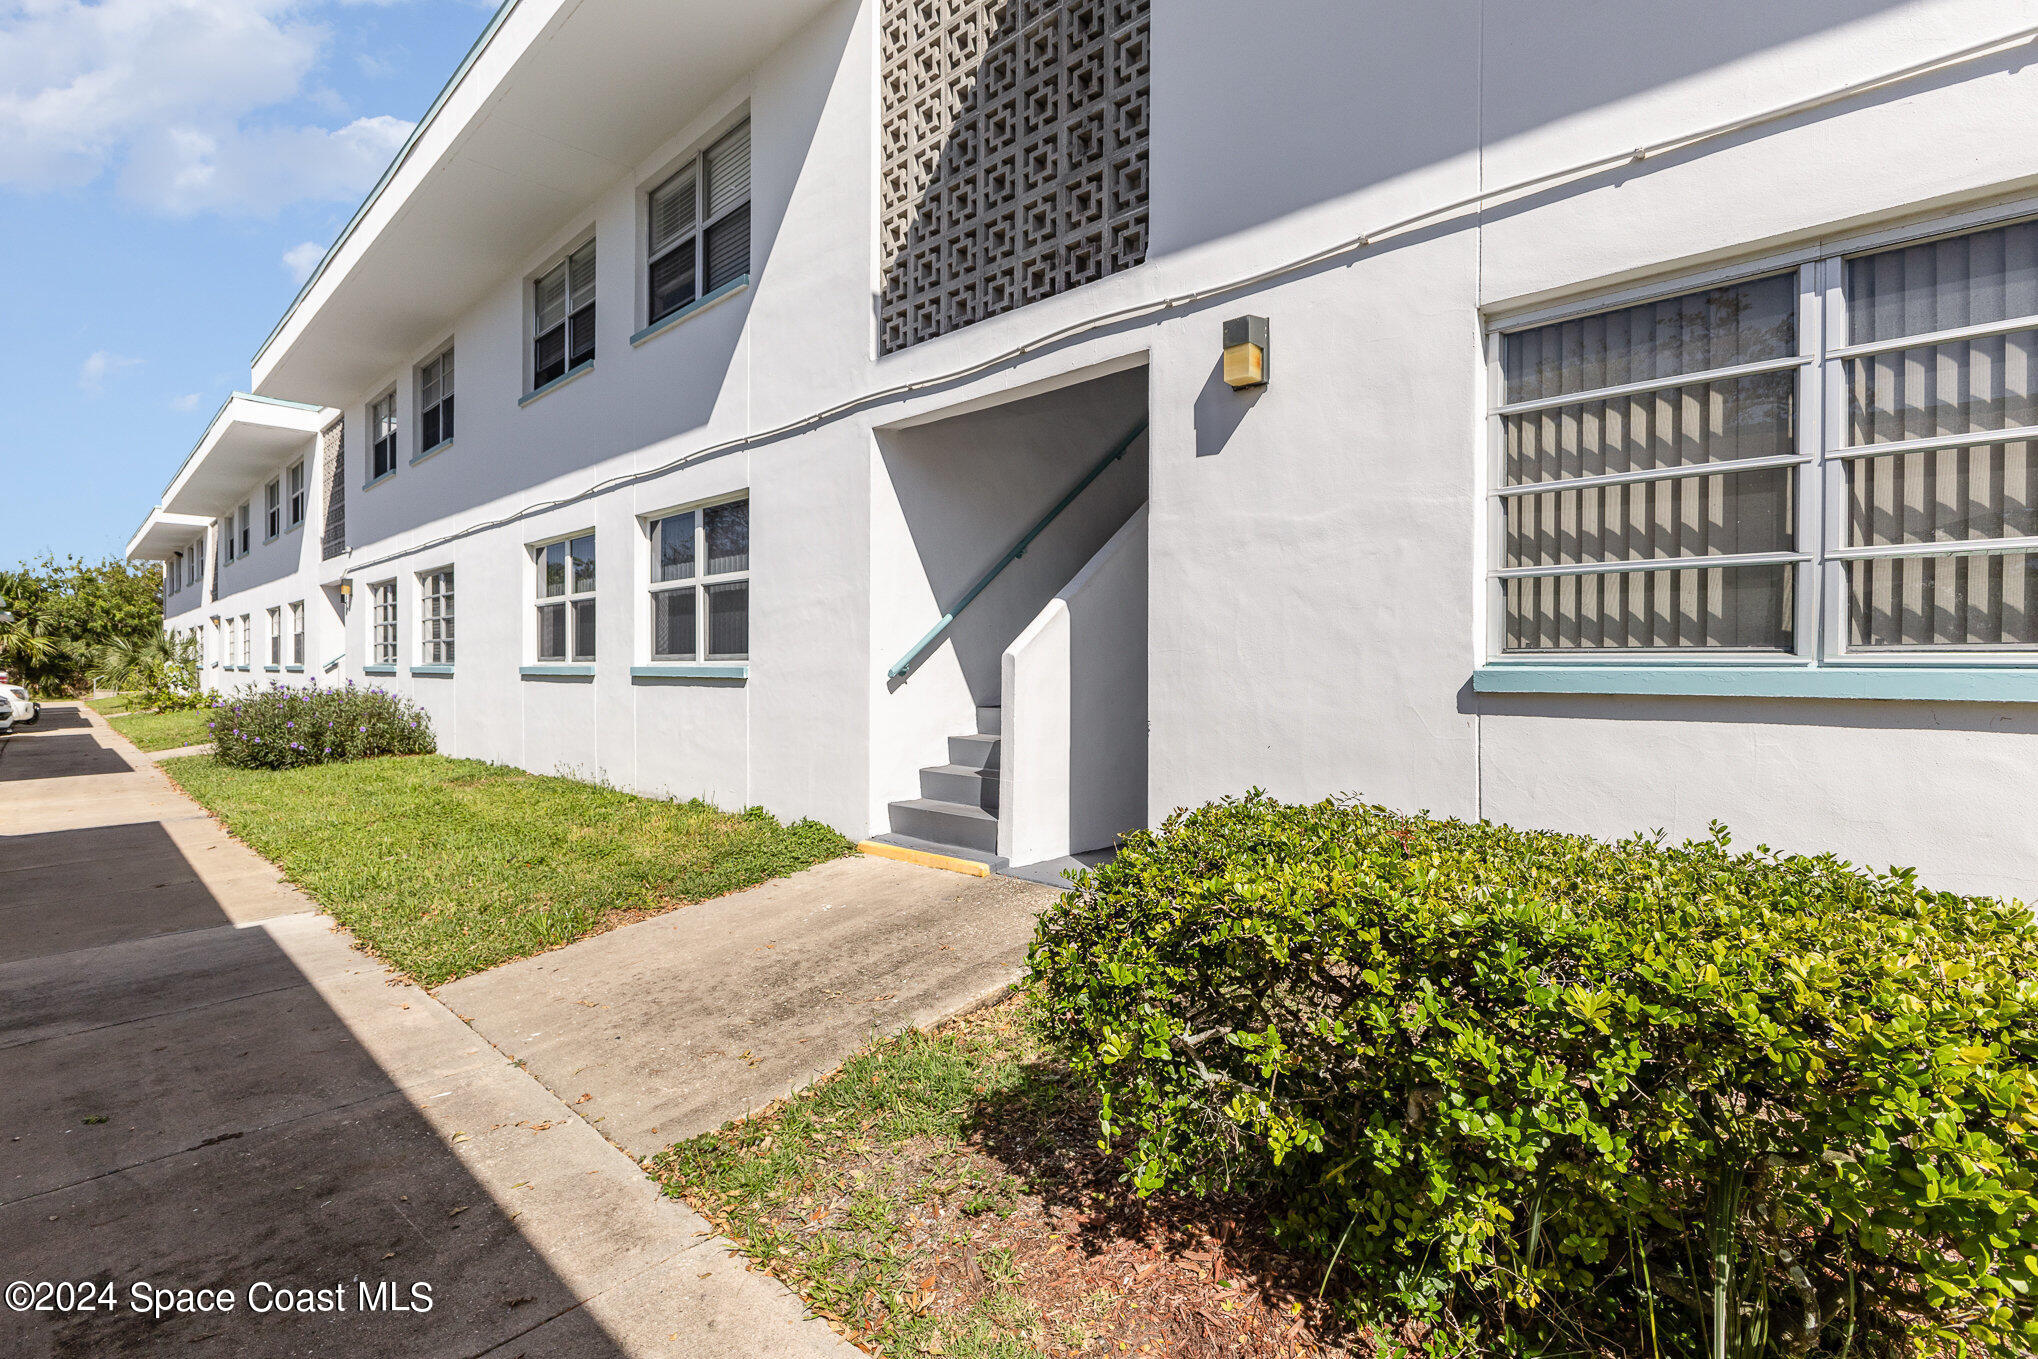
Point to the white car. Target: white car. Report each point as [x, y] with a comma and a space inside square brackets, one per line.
[6, 713]
[26, 709]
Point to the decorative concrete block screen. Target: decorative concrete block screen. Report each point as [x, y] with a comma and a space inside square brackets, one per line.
[1015, 155]
[333, 457]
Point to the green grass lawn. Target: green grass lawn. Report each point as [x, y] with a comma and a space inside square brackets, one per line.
[446, 867]
[164, 731]
[112, 705]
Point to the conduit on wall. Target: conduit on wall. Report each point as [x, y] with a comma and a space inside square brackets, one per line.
[1352, 244]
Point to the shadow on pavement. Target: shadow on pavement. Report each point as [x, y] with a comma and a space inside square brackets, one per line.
[180, 1107]
[39, 753]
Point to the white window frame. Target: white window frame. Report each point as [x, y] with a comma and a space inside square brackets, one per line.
[696, 165]
[276, 637]
[578, 313]
[272, 510]
[382, 622]
[699, 582]
[570, 600]
[176, 573]
[247, 635]
[436, 599]
[293, 515]
[382, 430]
[297, 633]
[244, 528]
[1820, 555]
[432, 439]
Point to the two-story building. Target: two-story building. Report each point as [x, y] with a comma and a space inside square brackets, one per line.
[993, 423]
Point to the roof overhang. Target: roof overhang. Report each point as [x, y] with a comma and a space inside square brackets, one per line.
[251, 438]
[557, 101]
[164, 534]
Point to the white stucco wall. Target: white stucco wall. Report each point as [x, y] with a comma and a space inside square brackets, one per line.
[1315, 576]
[1074, 721]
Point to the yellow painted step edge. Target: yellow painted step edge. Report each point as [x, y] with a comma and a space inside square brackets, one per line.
[924, 859]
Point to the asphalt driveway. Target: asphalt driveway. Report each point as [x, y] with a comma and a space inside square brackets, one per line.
[205, 1086]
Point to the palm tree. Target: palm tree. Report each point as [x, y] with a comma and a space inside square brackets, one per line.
[29, 649]
[163, 666]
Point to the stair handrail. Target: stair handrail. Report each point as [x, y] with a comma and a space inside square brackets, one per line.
[920, 648]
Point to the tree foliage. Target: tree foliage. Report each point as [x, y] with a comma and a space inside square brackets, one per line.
[68, 611]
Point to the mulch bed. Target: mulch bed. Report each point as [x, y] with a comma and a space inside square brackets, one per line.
[1017, 1237]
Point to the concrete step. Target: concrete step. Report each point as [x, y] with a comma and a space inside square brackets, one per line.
[989, 720]
[993, 861]
[960, 783]
[979, 751]
[946, 823]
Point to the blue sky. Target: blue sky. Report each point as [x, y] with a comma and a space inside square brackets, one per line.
[169, 172]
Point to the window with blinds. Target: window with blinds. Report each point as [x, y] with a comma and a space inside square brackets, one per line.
[1938, 483]
[435, 402]
[382, 622]
[1836, 460]
[566, 599]
[700, 583]
[382, 437]
[562, 317]
[699, 227]
[435, 616]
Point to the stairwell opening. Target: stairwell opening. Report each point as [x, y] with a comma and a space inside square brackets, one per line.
[959, 766]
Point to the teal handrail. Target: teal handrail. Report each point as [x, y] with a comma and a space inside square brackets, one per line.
[920, 648]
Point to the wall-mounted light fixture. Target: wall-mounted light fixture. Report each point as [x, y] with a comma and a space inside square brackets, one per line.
[346, 591]
[1245, 352]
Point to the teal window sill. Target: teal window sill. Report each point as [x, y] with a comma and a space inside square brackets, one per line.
[434, 451]
[377, 481]
[1920, 683]
[272, 667]
[431, 670]
[294, 669]
[378, 669]
[690, 310]
[685, 670]
[556, 671]
[578, 370]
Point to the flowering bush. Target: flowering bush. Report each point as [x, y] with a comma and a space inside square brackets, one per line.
[282, 728]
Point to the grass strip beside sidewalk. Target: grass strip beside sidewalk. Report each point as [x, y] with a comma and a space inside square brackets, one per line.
[445, 867]
[165, 731]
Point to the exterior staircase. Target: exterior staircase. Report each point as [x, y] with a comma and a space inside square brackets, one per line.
[956, 813]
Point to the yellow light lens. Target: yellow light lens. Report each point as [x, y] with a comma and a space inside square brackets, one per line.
[1244, 365]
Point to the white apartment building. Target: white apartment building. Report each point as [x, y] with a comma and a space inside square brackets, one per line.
[845, 423]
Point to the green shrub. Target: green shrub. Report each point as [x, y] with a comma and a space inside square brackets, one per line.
[284, 728]
[1584, 1096]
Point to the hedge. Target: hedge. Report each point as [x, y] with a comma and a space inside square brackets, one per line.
[1576, 1096]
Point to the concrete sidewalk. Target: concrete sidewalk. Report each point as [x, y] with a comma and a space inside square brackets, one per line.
[676, 1024]
[204, 1085]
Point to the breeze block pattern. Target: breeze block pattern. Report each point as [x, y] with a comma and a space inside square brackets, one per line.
[1015, 155]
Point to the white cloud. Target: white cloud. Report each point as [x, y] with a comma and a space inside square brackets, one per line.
[100, 365]
[187, 402]
[300, 260]
[181, 99]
